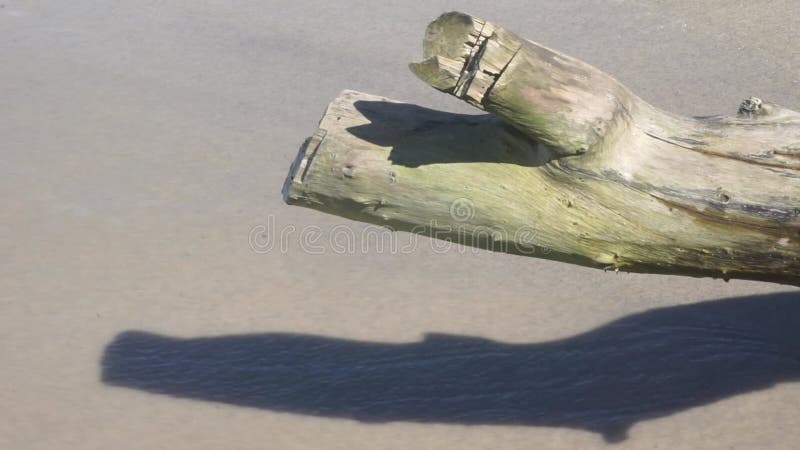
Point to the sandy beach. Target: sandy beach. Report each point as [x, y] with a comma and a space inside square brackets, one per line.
[156, 292]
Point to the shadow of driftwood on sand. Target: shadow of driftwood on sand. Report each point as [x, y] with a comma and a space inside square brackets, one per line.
[420, 136]
[642, 366]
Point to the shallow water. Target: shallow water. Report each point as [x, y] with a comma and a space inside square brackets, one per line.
[156, 293]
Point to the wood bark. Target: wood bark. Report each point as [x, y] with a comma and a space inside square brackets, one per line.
[569, 165]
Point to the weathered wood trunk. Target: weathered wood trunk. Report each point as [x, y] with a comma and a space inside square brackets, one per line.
[569, 166]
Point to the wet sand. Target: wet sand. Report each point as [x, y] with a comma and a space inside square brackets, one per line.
[143, 146]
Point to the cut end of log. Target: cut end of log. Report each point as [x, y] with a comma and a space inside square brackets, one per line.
[567, 104]
[464, 56]
[300, 166]
[452, 35]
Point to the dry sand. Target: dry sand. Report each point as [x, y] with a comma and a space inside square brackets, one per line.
[142, 143]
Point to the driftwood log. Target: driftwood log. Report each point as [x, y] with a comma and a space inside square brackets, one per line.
[569, 165]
